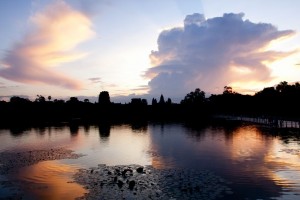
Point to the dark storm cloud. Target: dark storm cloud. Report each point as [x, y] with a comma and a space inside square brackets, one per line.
[212, 53]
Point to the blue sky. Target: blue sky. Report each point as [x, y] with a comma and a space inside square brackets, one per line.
[135, 48]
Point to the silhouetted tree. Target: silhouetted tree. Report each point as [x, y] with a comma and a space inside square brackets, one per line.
[73, 100]
[16, 99]
[196, 97]
[280, 101]
[227, 90]
[40, 99]
[267, 92]
[59, 101]
[104, 98]
[282, 86]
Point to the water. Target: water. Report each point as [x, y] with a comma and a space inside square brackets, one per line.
[259, 163]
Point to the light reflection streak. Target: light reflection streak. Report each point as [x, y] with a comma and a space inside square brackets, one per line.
[287, 166]
[248, 149]
[247, 143]
[51, 176]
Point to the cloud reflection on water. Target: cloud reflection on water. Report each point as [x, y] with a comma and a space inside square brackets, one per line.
[250, 157]
[52, 177]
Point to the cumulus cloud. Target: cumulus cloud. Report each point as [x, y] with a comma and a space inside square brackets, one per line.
[55, 32]
[212, 53]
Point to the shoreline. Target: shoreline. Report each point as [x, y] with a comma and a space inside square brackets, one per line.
[12, 161]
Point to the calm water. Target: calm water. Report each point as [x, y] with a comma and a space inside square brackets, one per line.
[261, 164]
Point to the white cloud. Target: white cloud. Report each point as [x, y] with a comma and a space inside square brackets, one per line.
[212, 53]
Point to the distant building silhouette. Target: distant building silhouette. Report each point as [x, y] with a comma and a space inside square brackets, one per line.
[154, 101]
[104, 98]
[169, 101]
[138, 101]
[161, 99]
[144, 102]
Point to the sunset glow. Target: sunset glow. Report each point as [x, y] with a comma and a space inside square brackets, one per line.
[57, 48]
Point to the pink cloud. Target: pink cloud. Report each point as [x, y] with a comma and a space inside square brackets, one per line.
[57, 30]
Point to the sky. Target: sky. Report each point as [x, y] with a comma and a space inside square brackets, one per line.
[133, 48]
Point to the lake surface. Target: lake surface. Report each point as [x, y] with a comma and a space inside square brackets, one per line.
[260, 163]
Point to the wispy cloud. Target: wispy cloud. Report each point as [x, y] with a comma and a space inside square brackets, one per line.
[212, 53]
[141, 88]
[55, 32]
[95, 80]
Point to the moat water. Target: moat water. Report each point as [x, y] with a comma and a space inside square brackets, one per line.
[258, 162]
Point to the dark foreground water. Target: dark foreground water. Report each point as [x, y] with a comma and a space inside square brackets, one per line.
[260, 163]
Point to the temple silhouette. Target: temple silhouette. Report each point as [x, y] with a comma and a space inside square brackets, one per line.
[280, 101]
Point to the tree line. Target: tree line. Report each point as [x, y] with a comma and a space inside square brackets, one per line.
[281, 100]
